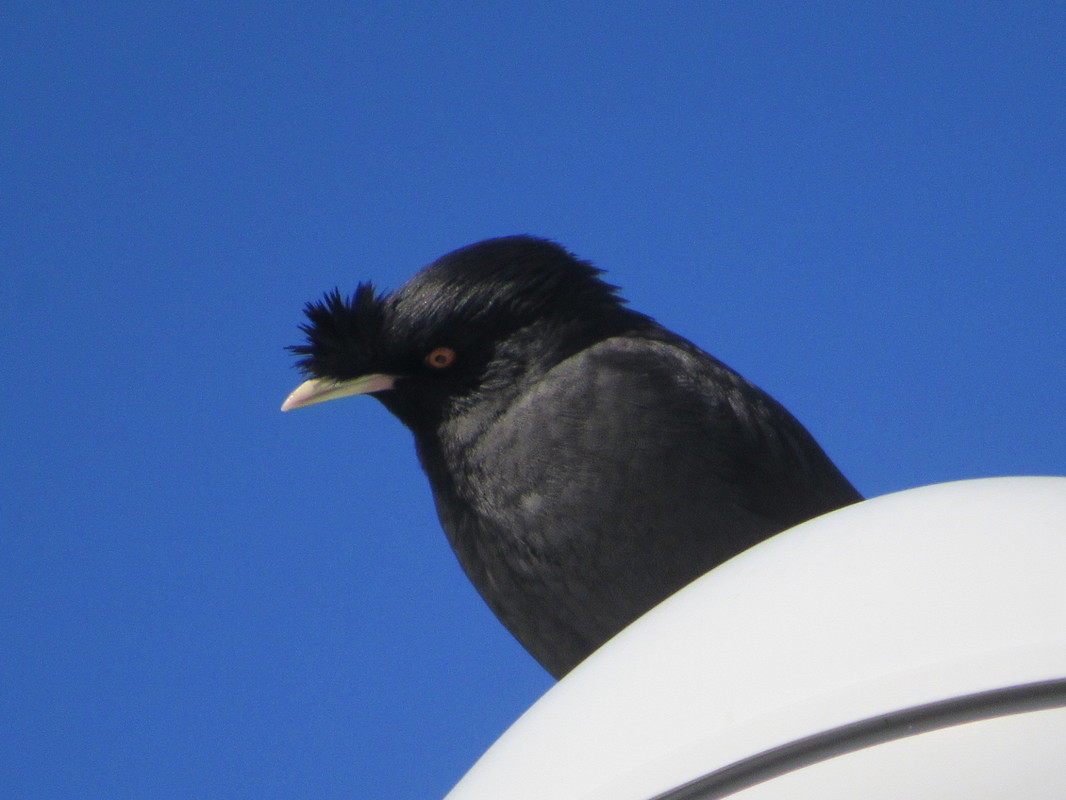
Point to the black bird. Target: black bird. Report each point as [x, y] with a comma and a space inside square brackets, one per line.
[586, 462]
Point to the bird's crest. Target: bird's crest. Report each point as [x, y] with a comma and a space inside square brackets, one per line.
[343, 334]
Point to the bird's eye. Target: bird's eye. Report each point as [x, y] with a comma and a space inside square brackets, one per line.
[441, 357]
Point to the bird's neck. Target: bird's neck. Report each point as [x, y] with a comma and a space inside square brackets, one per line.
[448, 445]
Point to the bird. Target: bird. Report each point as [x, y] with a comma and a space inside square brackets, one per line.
[585, 462]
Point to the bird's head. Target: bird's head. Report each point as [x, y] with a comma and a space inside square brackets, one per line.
[474, 324]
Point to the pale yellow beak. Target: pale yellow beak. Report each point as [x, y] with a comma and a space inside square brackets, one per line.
[319, 390]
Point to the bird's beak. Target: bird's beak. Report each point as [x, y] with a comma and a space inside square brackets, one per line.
[319, 390]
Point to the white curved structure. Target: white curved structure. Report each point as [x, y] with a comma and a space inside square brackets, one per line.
[913, 645]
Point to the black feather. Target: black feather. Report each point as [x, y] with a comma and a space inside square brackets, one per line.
[342, 334]
[586, 462]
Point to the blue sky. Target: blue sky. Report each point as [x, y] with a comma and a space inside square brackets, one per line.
[859, 206]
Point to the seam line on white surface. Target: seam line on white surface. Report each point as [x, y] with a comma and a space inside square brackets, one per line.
[869, 732]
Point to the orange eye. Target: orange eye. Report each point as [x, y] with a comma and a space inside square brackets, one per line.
[441, 358]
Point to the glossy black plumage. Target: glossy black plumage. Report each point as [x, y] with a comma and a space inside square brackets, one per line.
[586, 462]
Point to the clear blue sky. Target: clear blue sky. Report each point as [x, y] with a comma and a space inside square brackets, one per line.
[859, 206]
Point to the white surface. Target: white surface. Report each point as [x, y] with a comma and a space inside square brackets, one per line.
[898, 601]
[1009, 758]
